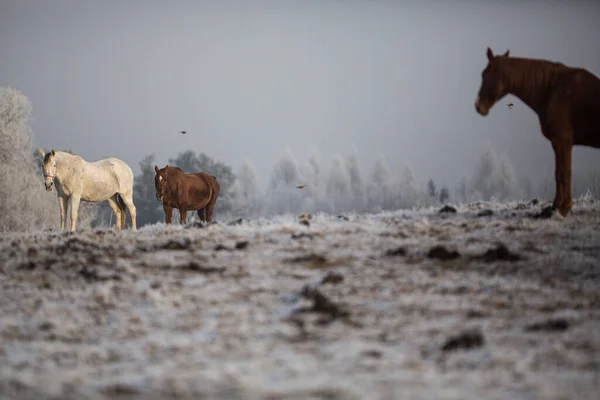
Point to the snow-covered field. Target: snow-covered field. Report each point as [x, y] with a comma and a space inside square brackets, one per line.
[411, 304]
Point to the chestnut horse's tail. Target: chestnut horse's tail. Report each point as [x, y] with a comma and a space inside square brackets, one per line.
[123, 209]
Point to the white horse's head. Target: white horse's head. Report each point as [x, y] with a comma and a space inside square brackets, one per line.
[49, 167]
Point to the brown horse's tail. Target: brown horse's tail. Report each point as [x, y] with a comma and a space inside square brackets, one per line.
[123, 209]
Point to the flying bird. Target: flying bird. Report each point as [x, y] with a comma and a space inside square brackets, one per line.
[184, 132]
[301, 186]
[510, 105]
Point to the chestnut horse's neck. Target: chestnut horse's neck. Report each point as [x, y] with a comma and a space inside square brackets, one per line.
[529, 79]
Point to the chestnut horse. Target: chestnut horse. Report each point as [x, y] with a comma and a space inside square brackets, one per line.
[186, 192]
[566, 100]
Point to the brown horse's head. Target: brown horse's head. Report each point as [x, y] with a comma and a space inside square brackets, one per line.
[493, 83]
[160, 183]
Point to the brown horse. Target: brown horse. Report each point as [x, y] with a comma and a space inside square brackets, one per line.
[566, 100]
[186, 192]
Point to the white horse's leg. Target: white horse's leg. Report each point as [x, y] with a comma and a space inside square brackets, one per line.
[75, 199]
[128, 200]
[63, 202]
[112, 201]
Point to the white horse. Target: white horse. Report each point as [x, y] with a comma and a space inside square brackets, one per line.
[108, 179]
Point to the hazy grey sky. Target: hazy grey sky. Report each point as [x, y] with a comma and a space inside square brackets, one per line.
[247, 78]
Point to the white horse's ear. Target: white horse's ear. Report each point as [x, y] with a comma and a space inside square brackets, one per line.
[53, 153]
[42, 153]
[156, 169]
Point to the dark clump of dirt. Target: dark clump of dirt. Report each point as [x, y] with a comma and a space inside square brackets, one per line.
[304, 222]
[399, 251]
[92, 275]
[447, 209]
[372, 353]
[197, 267]
[550, 325]
[322, 304]
[442, 253]
[312, 257]
[238, 221]
[241, 245]
[302, 235]
[333, 278]
[535, 202]
[465, 340]
[546, 213]
[177, 244]
[500, 253]
[343, 218]
[485, 213]
[221, 247]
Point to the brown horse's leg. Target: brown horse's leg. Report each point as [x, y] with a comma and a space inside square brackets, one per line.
[183, 215]
[210, 207]
[216, 189]
[168, 213]
[563, 151]
[202, 214]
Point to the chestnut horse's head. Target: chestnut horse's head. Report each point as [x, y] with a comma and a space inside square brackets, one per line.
[160, 183]
[49, 168]
[493, 83]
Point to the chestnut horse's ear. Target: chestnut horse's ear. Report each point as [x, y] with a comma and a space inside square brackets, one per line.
[42, 153]
[489, 54]
[506, 54]
[156, 169]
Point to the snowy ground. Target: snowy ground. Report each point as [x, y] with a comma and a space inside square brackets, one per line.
[358, 307]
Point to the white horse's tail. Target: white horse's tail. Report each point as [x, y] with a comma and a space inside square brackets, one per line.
[123, 209]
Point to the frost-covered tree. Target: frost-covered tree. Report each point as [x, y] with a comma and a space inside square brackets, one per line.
[338, 186]
[494, 177]
[282, 194]
[444, 195]
[379, 194]
[24, 203]
[149, 209]
[431, 189]
[246, 191]
[356, 181]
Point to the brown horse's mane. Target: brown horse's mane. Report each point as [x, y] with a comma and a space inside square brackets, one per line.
[531, 71]
[529, 77]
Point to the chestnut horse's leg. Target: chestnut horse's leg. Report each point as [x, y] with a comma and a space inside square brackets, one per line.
[168, 213]
[202, 214]
[211, 206]
[563, 150]
[183, 215]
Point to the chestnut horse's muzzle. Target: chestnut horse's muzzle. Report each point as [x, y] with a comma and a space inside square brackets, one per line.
[482, 109]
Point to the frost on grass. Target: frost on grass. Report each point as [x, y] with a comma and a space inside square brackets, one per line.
[352, 307]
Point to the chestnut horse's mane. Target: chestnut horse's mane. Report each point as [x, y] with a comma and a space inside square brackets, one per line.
[530, 73]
